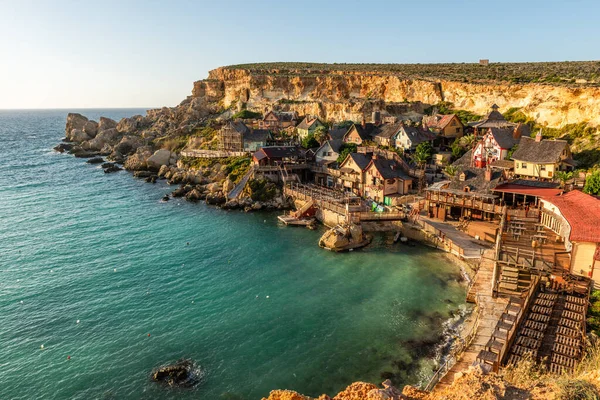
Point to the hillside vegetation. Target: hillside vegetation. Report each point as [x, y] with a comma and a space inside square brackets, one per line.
[580, 73]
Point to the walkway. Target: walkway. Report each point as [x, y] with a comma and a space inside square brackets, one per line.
[490, 311]
[235, 192]
[470, 248]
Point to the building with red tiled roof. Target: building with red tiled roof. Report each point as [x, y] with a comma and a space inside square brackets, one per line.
[575, 217]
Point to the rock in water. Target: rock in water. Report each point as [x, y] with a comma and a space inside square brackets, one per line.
[95, 160]
[183, 373]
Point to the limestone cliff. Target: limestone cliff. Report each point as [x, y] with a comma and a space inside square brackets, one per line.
[335, 95]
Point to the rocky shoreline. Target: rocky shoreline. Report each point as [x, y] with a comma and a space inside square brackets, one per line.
[129, 145]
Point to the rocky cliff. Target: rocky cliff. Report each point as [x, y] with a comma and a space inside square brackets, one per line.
[342, 94]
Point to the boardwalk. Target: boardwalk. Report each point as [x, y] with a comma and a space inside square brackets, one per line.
[490, 310]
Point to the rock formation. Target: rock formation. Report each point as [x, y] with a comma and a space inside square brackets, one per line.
[350, 95]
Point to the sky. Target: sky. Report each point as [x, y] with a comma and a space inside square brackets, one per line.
[109, 54]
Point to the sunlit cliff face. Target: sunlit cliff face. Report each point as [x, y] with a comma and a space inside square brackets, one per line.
[345, 95]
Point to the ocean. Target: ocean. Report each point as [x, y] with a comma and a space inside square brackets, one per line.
[95, 267]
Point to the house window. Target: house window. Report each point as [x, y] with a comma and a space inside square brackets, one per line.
[523, 165]
[543, 168]
[457, 130]
[550, 174]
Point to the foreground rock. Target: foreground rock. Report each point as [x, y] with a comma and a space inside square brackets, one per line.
[356, 391]
[183, 373]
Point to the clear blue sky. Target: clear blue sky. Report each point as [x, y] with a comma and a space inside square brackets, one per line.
[69, 54]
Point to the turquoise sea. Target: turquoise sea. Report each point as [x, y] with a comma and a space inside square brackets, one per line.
[256, 305]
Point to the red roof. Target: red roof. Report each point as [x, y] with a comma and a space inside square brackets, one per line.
[528, 190]
[582, 211]
[445, 120]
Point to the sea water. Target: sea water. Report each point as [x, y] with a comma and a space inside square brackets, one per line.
[112, 283]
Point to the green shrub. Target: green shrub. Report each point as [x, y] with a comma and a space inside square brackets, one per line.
[309, 142]
[345, 149]
[592, 184]
[262, 189]
[247, 114]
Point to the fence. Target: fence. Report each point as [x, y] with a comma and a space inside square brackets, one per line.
[213, 153]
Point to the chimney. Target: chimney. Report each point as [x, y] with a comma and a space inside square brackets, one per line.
[517, 131]
[538, 137]
[488, 175]
[364, 122]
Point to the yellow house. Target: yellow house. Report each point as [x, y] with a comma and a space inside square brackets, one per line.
[308, 126]
[541, 159]
[575, 217]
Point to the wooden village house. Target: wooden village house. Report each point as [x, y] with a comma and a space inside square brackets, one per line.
[494, 119]
[495, 145]
[236, 136]
[385, 181]
[358, 134]
[308, 126]
[409, 137]
[541, 159]
[278, 120]
[352, 172]
[447, 127]
[328, 152]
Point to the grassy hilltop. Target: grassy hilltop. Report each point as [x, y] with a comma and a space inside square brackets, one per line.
[555, 73]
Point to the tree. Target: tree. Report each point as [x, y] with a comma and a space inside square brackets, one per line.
[563, 177]
[321, 134]
[423, 153]
[345, 149]
[451, 170]
[309, 142]
[512, 151]
[592, 184]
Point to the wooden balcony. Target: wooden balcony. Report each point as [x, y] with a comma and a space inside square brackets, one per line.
[453, 200]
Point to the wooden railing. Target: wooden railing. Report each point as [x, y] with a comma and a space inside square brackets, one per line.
[213, 153]
[376, 216]
[466, 202]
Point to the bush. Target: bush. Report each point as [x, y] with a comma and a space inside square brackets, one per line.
[236, 168]
[262, 189]
[247, 114]
[309, 142]
[577, 389]
[345, 149]
[592, 184]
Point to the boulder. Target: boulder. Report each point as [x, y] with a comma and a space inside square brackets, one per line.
[129, 125]
[128, 145]
[183, 373]
[194, 195]
[95, 160]
[142, 174]
[78, 135]
[137, 162]
[112, 168]
[151, 179]
[213, 187]
[91, 128]
[106, 137]
[228, 185]
[74, 121]
[106, 123]
[62, 147]
[158, 159]
[163, 171]
[179, 192]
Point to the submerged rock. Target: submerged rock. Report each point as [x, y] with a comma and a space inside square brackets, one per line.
[62, 147]
[183, 373]
[95, 160]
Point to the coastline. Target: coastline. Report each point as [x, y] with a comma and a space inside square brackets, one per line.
[207, 184]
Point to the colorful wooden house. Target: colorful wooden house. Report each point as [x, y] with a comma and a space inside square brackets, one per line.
[308, 126]
[494, 145]
[278, 120]
[541, 159]
[409, 137]
[385, 181]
